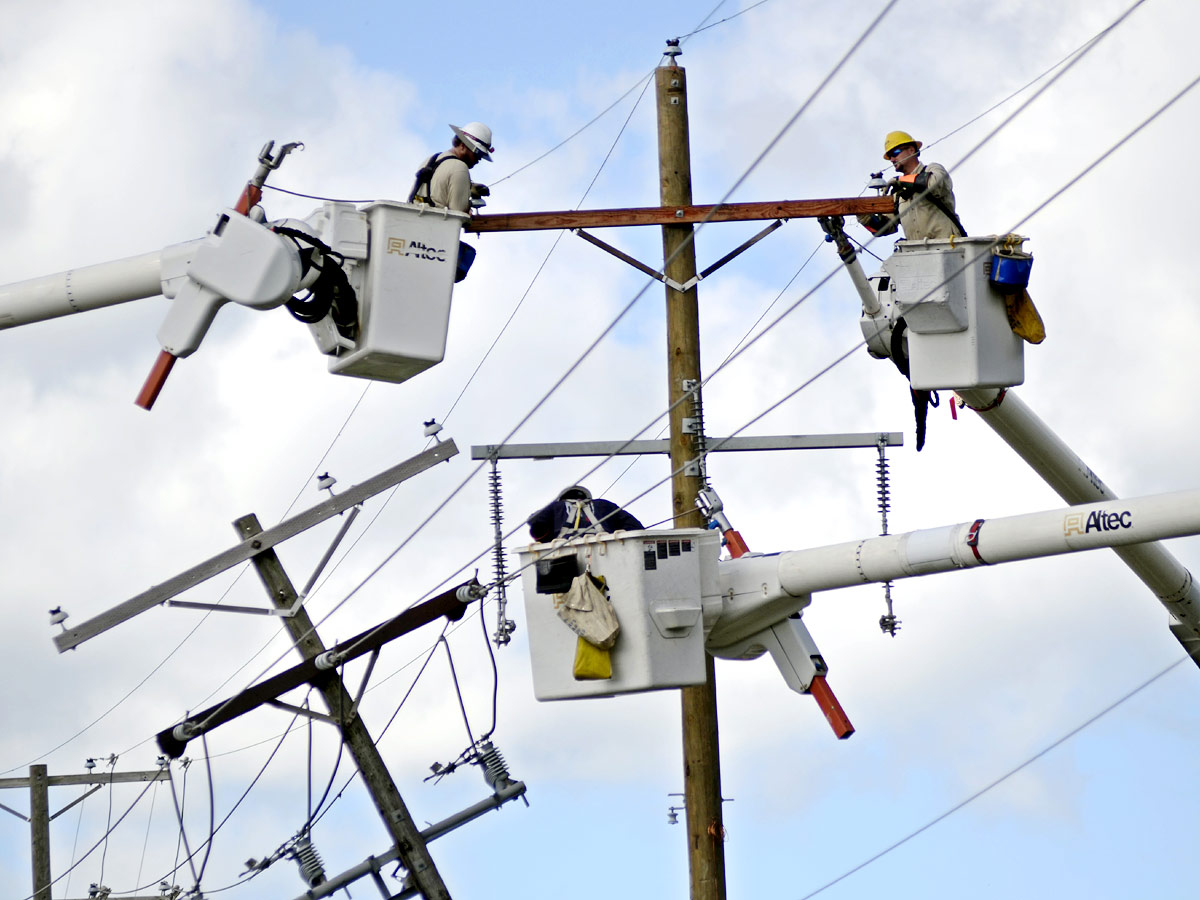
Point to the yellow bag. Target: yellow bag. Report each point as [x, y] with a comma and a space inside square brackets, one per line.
[591, 663]
[1023, 317]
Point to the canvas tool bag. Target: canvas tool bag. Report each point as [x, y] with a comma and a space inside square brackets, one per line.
[586, 609]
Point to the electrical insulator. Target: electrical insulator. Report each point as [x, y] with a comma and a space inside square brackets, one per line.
[495, 769]
[312, 870]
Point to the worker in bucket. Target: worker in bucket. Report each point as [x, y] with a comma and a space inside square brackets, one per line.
[924, 194]
[574, 511]
[445, 180]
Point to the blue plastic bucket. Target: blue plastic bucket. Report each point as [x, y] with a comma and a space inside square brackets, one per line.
[466, 256]
[1011, 272]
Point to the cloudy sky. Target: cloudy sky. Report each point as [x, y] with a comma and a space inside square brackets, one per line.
[129, 125]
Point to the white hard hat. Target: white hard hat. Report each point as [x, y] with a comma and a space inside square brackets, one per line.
[477, 136]
[575, 492]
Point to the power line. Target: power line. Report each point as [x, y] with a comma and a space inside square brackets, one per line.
[1007, 775]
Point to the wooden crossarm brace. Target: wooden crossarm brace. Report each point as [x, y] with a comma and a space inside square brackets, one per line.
[450, 604]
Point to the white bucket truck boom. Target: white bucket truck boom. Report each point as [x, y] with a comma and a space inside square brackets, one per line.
[373, 284]
[941, 304]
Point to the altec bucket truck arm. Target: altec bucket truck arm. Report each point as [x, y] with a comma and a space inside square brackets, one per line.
[375, 283]
[676, 600]
[760, 591]
[789, 642]
[958, 336]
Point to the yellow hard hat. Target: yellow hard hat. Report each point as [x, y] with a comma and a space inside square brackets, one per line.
[896, 139]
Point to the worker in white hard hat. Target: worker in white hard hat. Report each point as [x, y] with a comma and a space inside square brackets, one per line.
[445, 179]
[924, 194]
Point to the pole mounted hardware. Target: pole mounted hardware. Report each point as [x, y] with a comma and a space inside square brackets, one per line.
[451, 604]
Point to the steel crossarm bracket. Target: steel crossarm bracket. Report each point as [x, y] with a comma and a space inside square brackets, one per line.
[636, 263]
[159, 594]
[671, 282]
[451, 604]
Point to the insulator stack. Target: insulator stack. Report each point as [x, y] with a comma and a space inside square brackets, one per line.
[504, 626]
[883, 486]
[888, 623]
[495, 769]
[697, 412]
[312, 870]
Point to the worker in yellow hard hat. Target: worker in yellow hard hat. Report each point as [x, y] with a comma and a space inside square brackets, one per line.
[924, 194]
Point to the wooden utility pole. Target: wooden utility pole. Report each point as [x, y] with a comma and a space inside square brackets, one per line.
[701, 752]
[40, 817]
[413, 852]
[39, 823]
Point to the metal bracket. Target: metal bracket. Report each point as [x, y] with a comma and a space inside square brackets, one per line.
[637, 264]
[304, 711]
[671, 282]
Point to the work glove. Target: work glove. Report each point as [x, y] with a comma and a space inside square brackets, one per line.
[873, 222]
[906, 190]
[479, 190]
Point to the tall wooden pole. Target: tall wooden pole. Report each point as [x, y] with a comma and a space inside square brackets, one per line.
[701, 753]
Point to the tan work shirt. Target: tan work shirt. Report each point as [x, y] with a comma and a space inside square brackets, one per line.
[921, 218]
[450, 185]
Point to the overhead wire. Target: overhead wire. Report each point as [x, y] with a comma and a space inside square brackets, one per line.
[703, 27]
[75, 843]
[998, 781]
[458, 690]
[146, 840]
[557, 240]
[212, 811]
[214, 829]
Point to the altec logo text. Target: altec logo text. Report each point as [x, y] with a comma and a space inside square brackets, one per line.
[1077, 523]
[417, 249]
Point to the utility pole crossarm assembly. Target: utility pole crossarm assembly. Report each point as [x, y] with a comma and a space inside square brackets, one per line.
[451, 604]
[684, 214]
[251, 547]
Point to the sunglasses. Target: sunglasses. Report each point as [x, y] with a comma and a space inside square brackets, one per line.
[896, 151]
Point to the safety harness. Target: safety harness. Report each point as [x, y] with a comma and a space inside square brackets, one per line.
[581, 518]
[425, 177]
[920, 188]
